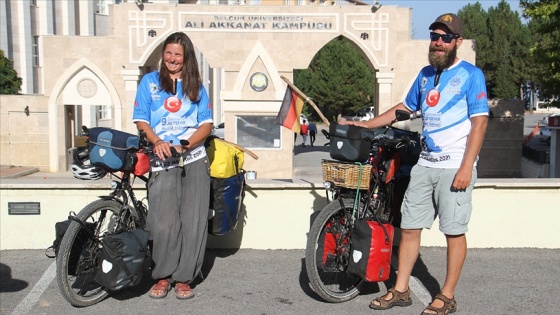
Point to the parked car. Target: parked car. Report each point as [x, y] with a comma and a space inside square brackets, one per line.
[363, 116]
[302, 118]
[219, 131]
[545, 132]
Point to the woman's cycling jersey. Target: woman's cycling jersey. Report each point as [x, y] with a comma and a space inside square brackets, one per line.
[172, 117]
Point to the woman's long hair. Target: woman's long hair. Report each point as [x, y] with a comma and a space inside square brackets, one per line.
[189, 74]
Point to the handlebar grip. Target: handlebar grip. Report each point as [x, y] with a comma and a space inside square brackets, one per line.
[174, 152]
[416, 114]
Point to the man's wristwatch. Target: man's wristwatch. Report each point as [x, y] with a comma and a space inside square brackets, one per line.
[185, 144]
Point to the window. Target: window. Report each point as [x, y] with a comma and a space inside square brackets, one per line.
[102, 7]
[35, 50]
[104, 112]
[258, 132]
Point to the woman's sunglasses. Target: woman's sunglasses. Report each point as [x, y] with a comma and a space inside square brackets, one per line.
[446, 38]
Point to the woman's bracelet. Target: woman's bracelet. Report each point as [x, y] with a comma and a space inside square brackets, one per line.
[157, 141]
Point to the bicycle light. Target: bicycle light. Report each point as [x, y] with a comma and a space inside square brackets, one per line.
[114, 185]
[328, 185]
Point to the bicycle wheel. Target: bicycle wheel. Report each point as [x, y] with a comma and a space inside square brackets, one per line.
[328, 252]
[76, 263]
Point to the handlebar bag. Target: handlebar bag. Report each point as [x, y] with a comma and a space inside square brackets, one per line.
[112, 149]
[347, 142]
[122, 258]
[371, 248]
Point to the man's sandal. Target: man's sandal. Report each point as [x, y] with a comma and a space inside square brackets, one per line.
[449, 306]
[160, 289]
[183, 291]
[397, 299]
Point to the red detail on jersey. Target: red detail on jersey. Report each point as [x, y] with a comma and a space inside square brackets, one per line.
[209, 105]
[172, 104]
[481, 95]
[135, 103]
[432, 99]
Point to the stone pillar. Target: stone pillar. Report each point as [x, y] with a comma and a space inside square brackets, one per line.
[555, 152]
[123, 111]
[384, 92]
[86, 17]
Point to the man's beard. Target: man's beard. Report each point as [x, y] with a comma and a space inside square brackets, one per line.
[445, 61]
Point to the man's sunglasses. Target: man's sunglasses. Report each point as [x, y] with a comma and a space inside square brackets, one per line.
[446, 38]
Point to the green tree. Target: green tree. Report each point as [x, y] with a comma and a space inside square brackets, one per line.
[475, 26]
[338, 80]
[545, 51]
[10, 83]
[501, 44]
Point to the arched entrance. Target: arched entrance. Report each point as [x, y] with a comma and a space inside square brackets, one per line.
[82, 96]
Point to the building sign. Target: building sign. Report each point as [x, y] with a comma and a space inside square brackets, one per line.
[258, 22]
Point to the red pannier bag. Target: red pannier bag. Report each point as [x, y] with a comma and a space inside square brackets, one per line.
[326, 253]
[142, 165]
[370, 250]
[330, 245]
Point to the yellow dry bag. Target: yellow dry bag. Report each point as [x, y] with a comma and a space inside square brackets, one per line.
[225, 159]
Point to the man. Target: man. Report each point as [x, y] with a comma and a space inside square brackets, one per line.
[303, 133]
[451, 94]
[312, 129]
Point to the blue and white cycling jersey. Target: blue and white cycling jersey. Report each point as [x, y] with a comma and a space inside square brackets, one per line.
[172, 117]
[446, 109]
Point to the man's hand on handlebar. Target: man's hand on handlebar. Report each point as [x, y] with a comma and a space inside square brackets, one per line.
[343, 121]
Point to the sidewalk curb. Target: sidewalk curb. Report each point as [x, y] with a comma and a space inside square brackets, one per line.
[15, 172]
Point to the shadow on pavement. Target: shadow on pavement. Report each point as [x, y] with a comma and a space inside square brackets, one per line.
[299, 149]
[10, 284]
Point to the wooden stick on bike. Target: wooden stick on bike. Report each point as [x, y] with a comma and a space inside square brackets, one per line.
[251, 154]
[307, 99]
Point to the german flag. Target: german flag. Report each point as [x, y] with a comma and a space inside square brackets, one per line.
[289, 113]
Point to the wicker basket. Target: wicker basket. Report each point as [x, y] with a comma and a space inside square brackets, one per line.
[346, 174]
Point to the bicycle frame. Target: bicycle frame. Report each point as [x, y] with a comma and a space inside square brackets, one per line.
[123, 192]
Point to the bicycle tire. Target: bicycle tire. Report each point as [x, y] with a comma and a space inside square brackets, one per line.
[333, 283]
[76, 263]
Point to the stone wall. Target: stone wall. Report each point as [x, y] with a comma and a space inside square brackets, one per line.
[500, 156]
[24, 139]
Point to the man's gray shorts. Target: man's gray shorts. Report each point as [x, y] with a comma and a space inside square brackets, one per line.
[429, 195]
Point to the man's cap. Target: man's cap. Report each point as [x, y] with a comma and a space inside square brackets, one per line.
[452, 21]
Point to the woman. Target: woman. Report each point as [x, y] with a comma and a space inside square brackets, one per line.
[172, 105]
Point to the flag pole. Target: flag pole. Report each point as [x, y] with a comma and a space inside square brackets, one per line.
[307, 99]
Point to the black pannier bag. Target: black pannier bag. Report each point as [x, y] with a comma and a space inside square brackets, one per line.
[226, 200]
[79, 247]
[122, 258]
[347, 142]
[409, 154]
[112, 149]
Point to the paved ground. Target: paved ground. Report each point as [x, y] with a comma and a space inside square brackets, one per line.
[494, 281]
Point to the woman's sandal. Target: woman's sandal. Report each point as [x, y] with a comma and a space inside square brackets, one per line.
[160, 289]
[449, 306]
[397, 299]
[183, 291]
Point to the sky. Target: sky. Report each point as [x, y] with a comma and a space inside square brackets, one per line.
[426, 11]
